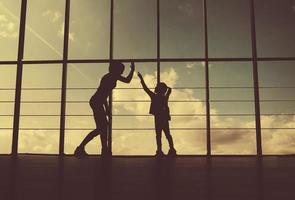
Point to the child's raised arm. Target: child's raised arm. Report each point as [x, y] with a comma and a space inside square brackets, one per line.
[146, 89]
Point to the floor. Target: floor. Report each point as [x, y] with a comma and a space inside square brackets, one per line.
[225, 177]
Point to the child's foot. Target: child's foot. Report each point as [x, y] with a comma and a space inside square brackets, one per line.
[172, 153]
[80, 152]
[159, 154]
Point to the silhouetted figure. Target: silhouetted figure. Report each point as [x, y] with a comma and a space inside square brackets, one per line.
[100, 106]
[159, 108]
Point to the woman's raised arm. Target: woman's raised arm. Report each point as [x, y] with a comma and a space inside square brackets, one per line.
[128, 78]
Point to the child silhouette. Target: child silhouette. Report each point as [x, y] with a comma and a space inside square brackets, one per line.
[159, 108]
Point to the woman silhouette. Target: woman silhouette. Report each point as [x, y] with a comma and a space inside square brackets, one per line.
[100, 107]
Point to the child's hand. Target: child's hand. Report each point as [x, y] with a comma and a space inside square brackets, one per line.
[139, 75]
[132, 66]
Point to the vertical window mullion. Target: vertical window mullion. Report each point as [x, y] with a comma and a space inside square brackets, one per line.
[19, 72]
[158, 42]
[208, 125]
[64, 78]
[255, 80]
[110, 126]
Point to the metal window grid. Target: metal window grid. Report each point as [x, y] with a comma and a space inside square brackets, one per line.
[65, 61]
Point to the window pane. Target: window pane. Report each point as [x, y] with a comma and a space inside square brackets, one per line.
[232, 95]
[276, 87]
[181, 26]
[82, 83]
[135, 29]
[187, 103]
[275, 28]
[39, 121]
[229, 31]
[44, 29]
[5, 141]
[277, 106]
[233, 142]
[38, 141]
[89, 35]
[142, 142]
[134, 142]
[130, 99]
[232, 108]
[7, 91]
[278, 141]
[9, 23]
[190, 142]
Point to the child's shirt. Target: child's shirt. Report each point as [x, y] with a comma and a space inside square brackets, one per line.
[159, 106]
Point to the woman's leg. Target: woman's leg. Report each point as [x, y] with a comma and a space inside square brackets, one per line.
[103, 134]
[95, 132]
[89, 137]
[101, 122]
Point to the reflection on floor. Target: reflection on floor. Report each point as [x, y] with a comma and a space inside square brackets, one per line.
[50, 177]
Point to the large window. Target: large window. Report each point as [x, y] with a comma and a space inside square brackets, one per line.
[230, 64]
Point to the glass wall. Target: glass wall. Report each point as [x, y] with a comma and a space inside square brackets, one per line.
[277, 106]
[40, 109]
[167, 40]
[232, 108]
[7, 82]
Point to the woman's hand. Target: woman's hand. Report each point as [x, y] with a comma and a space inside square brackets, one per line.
[132, 66]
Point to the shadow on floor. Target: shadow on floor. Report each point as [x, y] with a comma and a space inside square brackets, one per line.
[140, 178]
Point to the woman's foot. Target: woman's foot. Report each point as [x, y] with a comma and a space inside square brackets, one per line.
[172, 153]
[105, 153]
[80, 152]
[159, 154]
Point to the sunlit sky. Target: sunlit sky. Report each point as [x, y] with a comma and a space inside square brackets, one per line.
[181, 36]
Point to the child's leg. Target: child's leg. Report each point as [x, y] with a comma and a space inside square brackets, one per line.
[166, 130]
[158, 128]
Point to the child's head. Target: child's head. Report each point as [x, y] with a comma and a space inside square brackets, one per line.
[161, 88]
[116, 67]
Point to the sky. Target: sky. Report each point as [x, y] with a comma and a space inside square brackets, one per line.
[181, 36]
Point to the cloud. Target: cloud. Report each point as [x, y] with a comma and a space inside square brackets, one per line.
[186, 8]
[190, 65]
[52, 16]
[197, 64]
[38, 141]
[8, 29]
[60, 33]
[56, 17]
